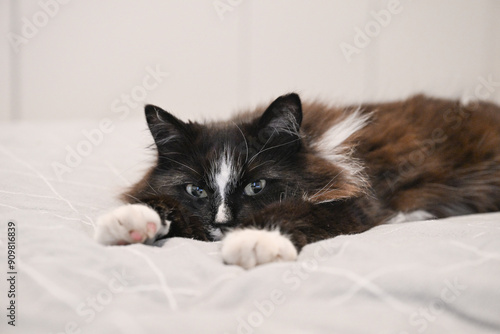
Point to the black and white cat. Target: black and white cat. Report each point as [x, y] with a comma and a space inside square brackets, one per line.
[270, 181]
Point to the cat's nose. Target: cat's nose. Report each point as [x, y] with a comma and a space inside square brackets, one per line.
[223, 215]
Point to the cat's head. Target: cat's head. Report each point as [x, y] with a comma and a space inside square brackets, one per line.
[224, 172]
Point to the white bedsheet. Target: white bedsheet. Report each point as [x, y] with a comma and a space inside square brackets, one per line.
[425, 277]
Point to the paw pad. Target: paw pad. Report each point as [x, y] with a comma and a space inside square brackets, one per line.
[134, 223]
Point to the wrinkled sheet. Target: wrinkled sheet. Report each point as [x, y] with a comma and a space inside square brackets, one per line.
[439, 276]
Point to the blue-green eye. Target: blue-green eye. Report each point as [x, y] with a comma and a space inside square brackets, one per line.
[255, 187]
[196, 191]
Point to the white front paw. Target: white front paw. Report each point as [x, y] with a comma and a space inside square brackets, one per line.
[249, 247]
[132, 223]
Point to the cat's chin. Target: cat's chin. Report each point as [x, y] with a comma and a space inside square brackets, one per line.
[216, 233]
[218, 230]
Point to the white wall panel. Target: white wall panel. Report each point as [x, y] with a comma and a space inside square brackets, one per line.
[93, 51]
[437, 47]
[5, 63]
[494, 39]
[296, 47]
[89, 55]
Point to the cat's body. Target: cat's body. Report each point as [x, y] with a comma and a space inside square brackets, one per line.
[276, 180]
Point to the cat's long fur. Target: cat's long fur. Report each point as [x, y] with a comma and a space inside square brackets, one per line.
[328, 171]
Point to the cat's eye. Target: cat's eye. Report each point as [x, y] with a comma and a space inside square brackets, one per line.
[195, 191]
[255, 187]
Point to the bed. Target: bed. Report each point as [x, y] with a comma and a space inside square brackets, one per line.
[440, 276]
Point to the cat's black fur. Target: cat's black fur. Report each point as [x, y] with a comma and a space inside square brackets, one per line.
[420, 154]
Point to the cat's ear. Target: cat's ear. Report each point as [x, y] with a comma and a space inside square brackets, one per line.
[284, 115]
[165, 127]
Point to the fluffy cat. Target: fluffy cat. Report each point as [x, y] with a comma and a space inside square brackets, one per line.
[271, 181]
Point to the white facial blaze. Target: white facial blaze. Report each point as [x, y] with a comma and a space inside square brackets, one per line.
[222, 180]
[222, 213]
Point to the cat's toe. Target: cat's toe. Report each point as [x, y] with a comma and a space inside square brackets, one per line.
[248, 248]
[134, 223]
[145, 233]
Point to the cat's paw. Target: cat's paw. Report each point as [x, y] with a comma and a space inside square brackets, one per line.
[248, 248]
[129, 224]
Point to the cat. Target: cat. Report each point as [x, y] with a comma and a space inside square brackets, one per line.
[268, 182]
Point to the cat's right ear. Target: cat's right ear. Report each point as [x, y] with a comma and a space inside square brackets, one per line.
[165, 127]
[283, 115]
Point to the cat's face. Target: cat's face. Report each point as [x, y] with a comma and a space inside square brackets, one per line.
[224, 172]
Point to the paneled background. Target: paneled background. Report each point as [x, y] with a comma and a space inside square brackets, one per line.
[64, 59]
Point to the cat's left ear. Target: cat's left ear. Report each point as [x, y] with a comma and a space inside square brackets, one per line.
[283, 115]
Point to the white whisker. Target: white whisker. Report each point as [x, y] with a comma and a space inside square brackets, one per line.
[244, 138]
[325, 189]
[265, 162]
[272, 147]
[177, 162]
